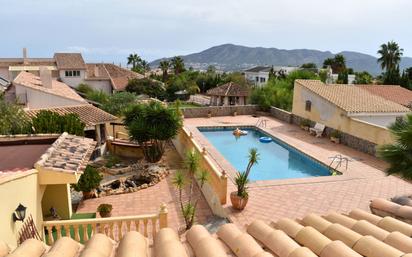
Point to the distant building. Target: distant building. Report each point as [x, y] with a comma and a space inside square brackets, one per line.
[71, 69]
[228, 94]
[333, 77]
[259, 75]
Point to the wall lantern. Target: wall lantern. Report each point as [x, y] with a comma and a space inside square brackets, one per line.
[19, 213]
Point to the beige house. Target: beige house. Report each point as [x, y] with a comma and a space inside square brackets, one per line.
[228, 94]
[36, 171]
[346, 108]
[71, 69]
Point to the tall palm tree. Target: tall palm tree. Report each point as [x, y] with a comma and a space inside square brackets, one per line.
[178, 64]
[399, 154]
[390, 56]
[134, 60]
[164, 66]
[145, 66]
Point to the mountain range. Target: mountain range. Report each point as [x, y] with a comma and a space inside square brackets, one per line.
[230, 57]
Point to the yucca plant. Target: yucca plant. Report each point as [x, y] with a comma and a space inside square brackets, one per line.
[181, 180]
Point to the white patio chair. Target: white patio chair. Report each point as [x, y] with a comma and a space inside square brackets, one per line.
[317, 130]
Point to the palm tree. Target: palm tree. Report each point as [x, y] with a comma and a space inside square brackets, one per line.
[390, 56]
[145, 66]
[178, 64]
[164, 66]
[134, 60]
[399, 154]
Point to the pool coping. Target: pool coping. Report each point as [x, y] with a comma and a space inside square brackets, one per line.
[231, 171]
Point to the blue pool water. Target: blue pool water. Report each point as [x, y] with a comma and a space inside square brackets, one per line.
[277, 159]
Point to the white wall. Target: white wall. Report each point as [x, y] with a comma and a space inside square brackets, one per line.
[104, 85]
[72, 81]
[383, 121]
[252, 77]
[38, 99]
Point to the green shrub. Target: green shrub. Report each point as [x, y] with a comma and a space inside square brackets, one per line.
[84, 88]
[52, 122]
[118, 102]
[112, 160]
[89, 180]
[336, 134]
[13, 119]
[104, 208]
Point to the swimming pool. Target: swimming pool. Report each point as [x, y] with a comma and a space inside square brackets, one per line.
[277, 159]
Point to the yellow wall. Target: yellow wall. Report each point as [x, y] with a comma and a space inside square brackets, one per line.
[332, 116]
[25, 189]
[57, 196]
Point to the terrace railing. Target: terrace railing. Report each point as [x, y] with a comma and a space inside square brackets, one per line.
[114, 227]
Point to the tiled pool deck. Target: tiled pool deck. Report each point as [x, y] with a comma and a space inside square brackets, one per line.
[269, 200]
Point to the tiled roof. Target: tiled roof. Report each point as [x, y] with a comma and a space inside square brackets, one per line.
[6, 62]
[394, 93]
[118, 76]
[69, 61]
[352, 99]
[334, 235]
[58, 88]
[88, 113]
[67, 154]
[229, 89]
[259, 69]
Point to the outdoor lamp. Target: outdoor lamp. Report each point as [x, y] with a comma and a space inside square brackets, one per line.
[19, 213]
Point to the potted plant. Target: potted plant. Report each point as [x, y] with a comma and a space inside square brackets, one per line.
[305, 124]
[105, 210]
[89, 180]
[335, 136]
[240, 197]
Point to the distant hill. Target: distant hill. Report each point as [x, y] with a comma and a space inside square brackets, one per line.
[229, 57]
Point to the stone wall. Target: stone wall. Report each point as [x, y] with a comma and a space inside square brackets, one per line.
[346, 139]
[219, 111]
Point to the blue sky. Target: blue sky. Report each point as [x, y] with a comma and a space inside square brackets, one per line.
[108, 30]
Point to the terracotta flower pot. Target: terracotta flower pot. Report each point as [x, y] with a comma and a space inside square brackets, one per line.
[238, 202]
[87, 195]
[105, 214]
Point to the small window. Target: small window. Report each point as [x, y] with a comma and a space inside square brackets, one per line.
[262, 80]
[76, 73]
[308, 106]
[72, 73]
[257, 79]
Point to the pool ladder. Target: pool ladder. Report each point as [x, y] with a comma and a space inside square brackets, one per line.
[261, 123]
[339, 159]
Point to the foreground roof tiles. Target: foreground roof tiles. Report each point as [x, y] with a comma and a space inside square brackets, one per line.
[356, 234]
[228, 89]
[352, 99]
[67, 154]
[88, 114]
[395, 94]
[58, 88]
[69, 61]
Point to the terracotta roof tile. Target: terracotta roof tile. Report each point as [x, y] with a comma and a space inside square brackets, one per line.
[67, 154]
[394, 93]
[69, 61]
[352, 99]
[229, 89]
[118, 76]
[88, 113]
[30, 80]
[314, 236]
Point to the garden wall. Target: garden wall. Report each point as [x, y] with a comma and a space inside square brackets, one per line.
[198, 112]
[358, 136]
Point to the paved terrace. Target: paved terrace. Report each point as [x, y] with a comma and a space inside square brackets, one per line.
[363, 181]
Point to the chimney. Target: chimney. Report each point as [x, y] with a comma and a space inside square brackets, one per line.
[25, 61]
[96, 70]
[46, 77]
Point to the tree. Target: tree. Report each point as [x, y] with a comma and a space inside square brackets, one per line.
[152, 125]
[119, 102]
[145, 66]
[363, 78]
[390, 57]
[398, 154]
[337, 63]
[13, 119]
[134, 60]
[146, 86]
[343, 77]
[406, 78]
[309, 65]
[178, 65]
[164, 66]
[89, 180]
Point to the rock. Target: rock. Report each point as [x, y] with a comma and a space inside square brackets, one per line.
[144, 186]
